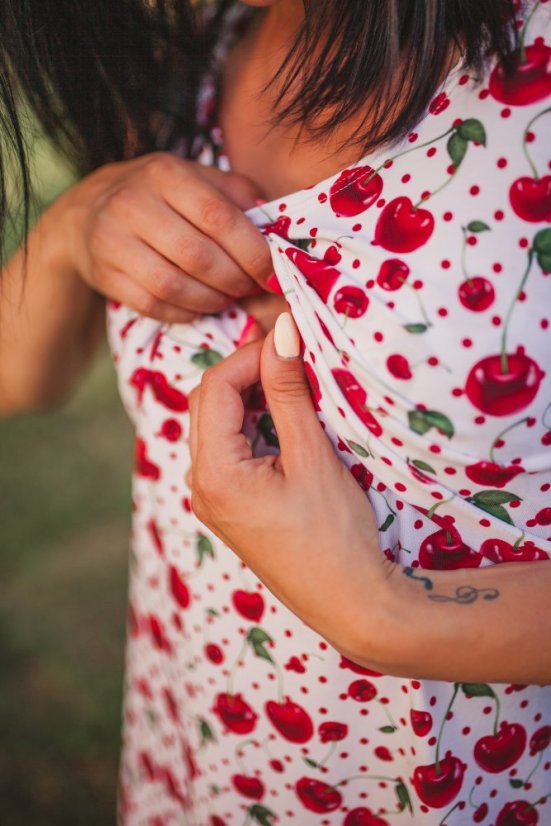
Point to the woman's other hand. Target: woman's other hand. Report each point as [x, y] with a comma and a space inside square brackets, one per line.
[299, 520]
[165, 236]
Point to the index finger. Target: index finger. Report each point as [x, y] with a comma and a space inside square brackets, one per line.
[219, 423]
[214, 214]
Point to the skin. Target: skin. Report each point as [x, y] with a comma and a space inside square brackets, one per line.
[169, 239]
[312, 556]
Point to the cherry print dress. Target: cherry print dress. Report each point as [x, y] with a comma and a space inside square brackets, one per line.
[420, 280]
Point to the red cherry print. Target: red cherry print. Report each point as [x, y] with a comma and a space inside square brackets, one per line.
[362, 475]
[291, 720]
[249, 604]
[446, 551]
[158, 634]
[356, 397]
[392, 274]
[357, 669]
[319, 274]
[171, 430]
[383, 753]
[518, 813]
[481, 813]
[330, 732]
[401, 227]
[216, 821]
[530, 81]
[439, 104]
[540, 740]
[156, 536]
[543, 517]
[315, 390]
[362, 691]
[143, 464]
[363, 817]
[332, 255]
[278, 227]
[499, 389]
[250, 787]
[351, 302]
[546, 438]
[214, 653]
[499, 550]
[178, 588]
[164, 393]
[235, 713]
[354, 191]
[317, 796]
[497, 752]
[437, 784]
[294, 664]
[421, 722]
[476, 294]
[491, 474]
[531, 198]
[398, 366]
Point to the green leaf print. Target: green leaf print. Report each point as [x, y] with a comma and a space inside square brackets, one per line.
[477, 690]
[477, 226]
[516, 784]
[457, 147]
[416, 329]
[261, 814]
[206, 358]
[387, 523]
[404, 801]
[203, 548]
[207, 735]
[494, 497]
[258, 638]
[420, 465]
[472, 130]
[421, 421]
[388, 729]
[542, 247]
[361, 451]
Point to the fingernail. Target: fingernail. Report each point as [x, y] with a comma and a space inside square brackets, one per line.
[272, 284]
[286, 337]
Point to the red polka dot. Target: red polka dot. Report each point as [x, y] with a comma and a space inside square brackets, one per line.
[442, 312]
[474, 190]
[502, 163]
[467, 342]
[431, 152]
[447, 216]
[499, 215]
[445, 264]
[356, 227]
[406, 178]
[506, 112]
[497, 267]
[496, 320]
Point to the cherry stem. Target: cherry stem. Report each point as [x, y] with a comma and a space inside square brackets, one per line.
[389, 716]
[523, 33]
[434, 508]
[496, 698]
[231, 676]
[471, 803]
[443, 723]
[279, 677]
[426, 319]
[519, 540]
[545, 412]
[367, 777]
[435, 191]
[453, 808]
[332, 748]
[406, 152]
[525, 143]
[502, 434]
[540, 756]
[504, 359]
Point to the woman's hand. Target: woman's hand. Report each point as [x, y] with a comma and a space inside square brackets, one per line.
[165, 236]
[299, 520]
[303, 525]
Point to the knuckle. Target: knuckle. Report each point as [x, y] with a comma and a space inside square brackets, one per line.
[259, 262]
[288, 386]
[197, 255]
[158, 165]
[165, 283]
[147, 305]
[216, 215]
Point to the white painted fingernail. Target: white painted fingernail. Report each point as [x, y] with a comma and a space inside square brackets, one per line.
[286, 337]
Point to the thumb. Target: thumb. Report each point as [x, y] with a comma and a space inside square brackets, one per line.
[288, 395]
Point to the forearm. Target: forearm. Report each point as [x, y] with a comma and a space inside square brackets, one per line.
[50, 320]
[484, 625]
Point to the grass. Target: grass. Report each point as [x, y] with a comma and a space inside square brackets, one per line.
[64, 516]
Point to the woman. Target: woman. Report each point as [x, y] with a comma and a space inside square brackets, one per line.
[416, 277]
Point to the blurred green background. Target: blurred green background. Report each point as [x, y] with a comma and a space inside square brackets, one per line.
[64, 523]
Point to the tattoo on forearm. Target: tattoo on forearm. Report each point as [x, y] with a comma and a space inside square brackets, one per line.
[464, 594]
